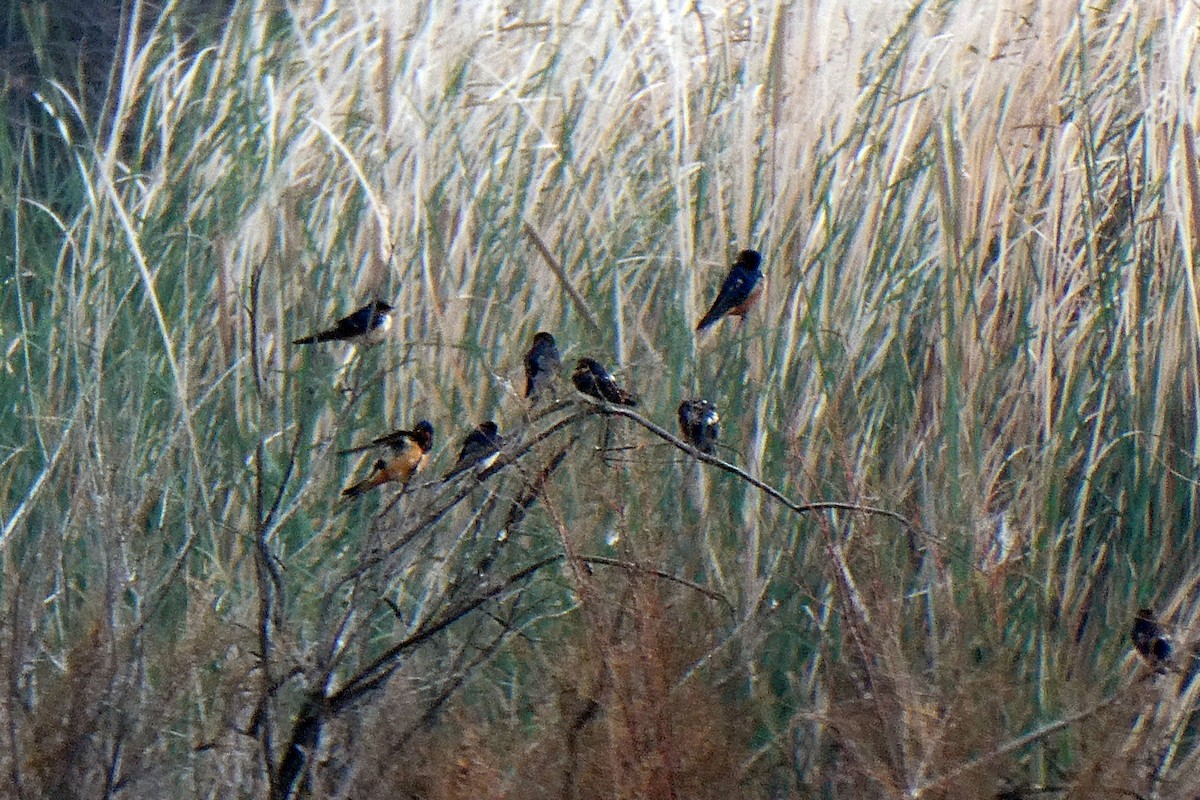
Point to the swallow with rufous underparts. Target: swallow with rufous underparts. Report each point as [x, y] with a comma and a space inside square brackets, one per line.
[408, 450]
[741, 288]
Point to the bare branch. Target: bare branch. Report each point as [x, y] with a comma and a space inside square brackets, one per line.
[588, 315]
[658, 573]
[771, 491]
[1016, 744]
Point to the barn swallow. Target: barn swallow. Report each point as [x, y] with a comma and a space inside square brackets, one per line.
[741, 288]
[591, 378]
[409, 450]
[368, 325]
[542, 364]
[479, 449]
[422, 434]
[1150, 640]
[700, 424]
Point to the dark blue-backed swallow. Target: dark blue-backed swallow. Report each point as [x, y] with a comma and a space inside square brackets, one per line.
[1150, 640]
[700, 424]
[542, 365]
[591, 378]
[409, 452]
[741, 288]
[369, 325]
[479, 449]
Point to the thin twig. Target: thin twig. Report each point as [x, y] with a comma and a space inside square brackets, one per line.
[1016, 744]
[658, 573]
[322, 703]
[769, 490]
[561, 274]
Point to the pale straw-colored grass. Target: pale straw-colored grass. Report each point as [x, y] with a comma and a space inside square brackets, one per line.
[979, 222]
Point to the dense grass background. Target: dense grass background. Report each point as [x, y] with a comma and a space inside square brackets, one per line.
[979, 222]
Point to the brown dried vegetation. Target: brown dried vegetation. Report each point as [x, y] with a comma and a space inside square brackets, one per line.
[959, 432]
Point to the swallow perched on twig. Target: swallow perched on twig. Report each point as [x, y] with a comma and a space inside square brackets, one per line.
[542, 364]
[422, 434]
[409, 451]
[591, 378]
[368, 325]
[741, 288]
[479, 449]
[700, 424]
[1151, 640]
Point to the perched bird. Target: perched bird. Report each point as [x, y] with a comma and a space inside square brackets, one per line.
[700, 424]
[591, 378]
[409, 451]
[421, 434]
[479, 449]
[1150, 640]
[368, 325]
[542, 364]
[741, 288]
